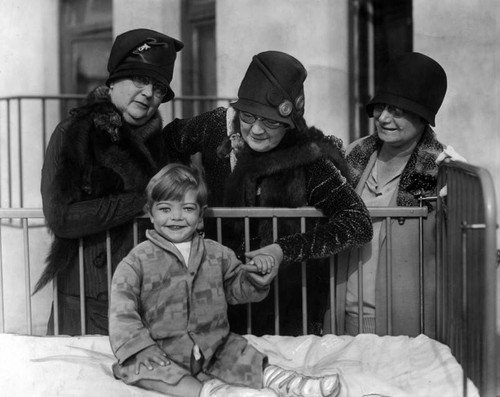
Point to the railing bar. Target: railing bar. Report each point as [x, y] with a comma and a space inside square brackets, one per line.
[389, 273]
[20, 153]
[2, 307]
[361, 313]
[27, 275]
[310, 212]
[9, 151]
[276, 285]
[55, 306]
[82, 287]
[135, 232]
[304, 283]
[219, 230]
[464, 327]
[251, 212]
[333, 304]
[247, 248]
[108, 263]
[44, 127]
[421, 272]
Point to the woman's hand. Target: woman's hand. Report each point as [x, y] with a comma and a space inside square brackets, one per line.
[449, 153]
[149, 356]
[264, 263]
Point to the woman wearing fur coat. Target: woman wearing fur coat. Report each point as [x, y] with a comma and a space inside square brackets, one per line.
[260, 152]
[96, 167]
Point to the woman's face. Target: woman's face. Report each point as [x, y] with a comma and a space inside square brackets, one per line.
[259, 133]
[136, 104]
[396, 127]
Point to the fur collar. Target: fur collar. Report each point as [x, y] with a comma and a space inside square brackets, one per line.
[419, 177]
[282, 165]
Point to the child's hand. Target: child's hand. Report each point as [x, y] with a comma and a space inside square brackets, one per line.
[262, 257]
[263, 279]
[149, 356]
[260, 263]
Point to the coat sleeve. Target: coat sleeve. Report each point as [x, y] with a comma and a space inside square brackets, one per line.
[189, 136]
[127, 333]
[67, 214]
[237, 286]
[349, 223]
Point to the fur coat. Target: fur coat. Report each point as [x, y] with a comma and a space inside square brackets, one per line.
[306, 169]
[93, 178]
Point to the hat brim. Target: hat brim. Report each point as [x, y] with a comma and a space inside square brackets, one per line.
[261, 110]
[400, 102]
[143, 71]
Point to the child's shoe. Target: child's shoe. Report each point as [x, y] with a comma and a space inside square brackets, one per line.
[216, 388]
[292, 384]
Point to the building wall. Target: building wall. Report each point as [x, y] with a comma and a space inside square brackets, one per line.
[463, 37]
[314, 31]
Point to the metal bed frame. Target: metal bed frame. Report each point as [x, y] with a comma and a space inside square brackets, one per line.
[466, 262]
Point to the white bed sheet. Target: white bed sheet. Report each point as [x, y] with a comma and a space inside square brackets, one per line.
[368, 364]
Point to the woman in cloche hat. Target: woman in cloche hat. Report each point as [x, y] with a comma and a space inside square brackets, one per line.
[96, 167]
[259, 152]
[394, 167]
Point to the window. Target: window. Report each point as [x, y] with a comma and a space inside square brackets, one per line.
[199, 74]
[86, 37]
[378, 30]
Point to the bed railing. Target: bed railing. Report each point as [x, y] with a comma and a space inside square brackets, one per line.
[466, 259]
[23, 220]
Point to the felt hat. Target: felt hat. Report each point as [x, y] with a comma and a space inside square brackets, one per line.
[413, 82]
[144, 52]
[273, 87]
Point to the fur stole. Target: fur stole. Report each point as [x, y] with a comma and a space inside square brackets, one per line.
[419, 177]
[277, 177]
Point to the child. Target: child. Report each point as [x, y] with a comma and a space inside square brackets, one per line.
[168, 308]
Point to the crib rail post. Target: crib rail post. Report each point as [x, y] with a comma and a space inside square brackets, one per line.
[467, 272]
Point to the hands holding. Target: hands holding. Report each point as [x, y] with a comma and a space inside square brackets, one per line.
[264, 263]
[149, 357]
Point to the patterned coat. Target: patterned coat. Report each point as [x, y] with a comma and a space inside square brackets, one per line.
[306, 169]
[93, 178]
[156, 299]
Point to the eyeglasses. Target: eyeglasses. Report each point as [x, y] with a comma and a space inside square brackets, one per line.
[250, 118]
[159, 90]
[396, 112]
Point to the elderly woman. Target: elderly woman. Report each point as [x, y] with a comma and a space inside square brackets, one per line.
[394, 167]
[260, 152]
[96, 167]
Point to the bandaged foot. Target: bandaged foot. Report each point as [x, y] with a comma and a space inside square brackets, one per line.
[292, 384]
[216, 388]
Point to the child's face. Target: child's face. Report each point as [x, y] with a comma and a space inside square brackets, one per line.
[177, 221]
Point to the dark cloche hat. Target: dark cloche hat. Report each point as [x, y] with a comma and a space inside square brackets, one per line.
[413, 82]
[144, 52]
[273, 87]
